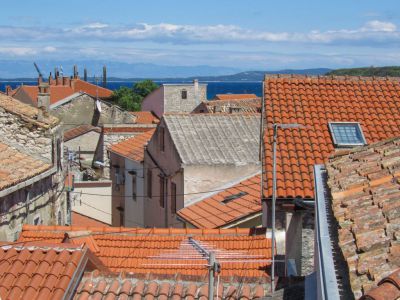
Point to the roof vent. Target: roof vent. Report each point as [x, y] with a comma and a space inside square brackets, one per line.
[230, 198]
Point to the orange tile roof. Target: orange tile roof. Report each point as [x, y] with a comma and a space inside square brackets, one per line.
[234, 96]
[365, 190]
[103, 286]
[388, 288]
[212, 212]
[139, 250]
[133, 147]
[26, 112]
[38, 271]
[145, 117]
[82, 220]
[313, 102]
[90, 88]
[127, 129]
[57, 92]
[79, 130]
[16, 167]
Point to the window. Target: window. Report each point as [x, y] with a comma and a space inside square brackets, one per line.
[184, 94]
[230, 198]
[162, 200]
[149, 182]
[173, 197]
[134, 187]
[162, 138]
[36, 220]
[59, 219]
[347, 134]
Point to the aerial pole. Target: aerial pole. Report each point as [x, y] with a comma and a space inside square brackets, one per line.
[104, 76]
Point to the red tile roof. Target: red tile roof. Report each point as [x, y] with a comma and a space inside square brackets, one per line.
[365, 191]
[127, 129]
[139, 250]
[212, 212]
[82, 220]
[388, 288]
[234, 96]
[80, 130]
[90, 88]
[38, 271]
[16, 167]
[145, 117]
[313, 102]
[133, 147]
[103, 286]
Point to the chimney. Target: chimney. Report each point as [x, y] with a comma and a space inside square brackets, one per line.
[40, 79]
[104, 76]
[85, 74]
[8, 90]
[196, 91]
[43, 100]
[65, 80]
[51, 80]
[75, 72]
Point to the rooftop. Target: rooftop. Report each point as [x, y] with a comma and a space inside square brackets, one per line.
[238, 201]
[26, 112]
[365, 190]
[95, 284]
[78, 131]
[314, 102]
[145, 117]
[231, 105]
[144, 251]
[16, 167]
[133, 148]
[235, 96]
[215, 139]
[82, 220]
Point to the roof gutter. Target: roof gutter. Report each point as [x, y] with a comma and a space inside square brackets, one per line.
[28, 182]
[327, 285]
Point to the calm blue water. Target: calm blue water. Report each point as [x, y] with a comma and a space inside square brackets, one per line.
[213, 88]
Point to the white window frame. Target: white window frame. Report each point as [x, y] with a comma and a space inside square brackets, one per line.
[344, 145]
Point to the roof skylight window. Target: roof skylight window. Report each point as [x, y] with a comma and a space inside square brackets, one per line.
[347, 134]
[233, 197]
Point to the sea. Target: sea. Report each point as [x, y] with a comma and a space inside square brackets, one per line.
[213, 87]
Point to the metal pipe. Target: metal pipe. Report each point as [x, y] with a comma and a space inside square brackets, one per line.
[211, 274]
[273, 208]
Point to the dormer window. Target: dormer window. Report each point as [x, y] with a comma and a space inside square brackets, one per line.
[184, 94]
[347, 134]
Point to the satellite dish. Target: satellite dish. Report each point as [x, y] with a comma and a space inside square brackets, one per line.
[98, 105]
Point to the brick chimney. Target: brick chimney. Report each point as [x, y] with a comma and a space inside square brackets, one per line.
[8, 90]
[59, 80]
[66, 81]
[40, 79]
[43, 100]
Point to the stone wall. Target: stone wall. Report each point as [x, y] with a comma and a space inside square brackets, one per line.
[43, 202]
[27, 138]
[173, 97]
[307, 264]
[82, 110]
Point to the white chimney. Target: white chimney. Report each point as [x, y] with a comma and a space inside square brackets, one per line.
[196, 91]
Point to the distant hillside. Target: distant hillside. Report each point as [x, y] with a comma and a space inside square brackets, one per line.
[368, 71]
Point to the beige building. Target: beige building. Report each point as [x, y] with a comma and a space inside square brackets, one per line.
[175, 98]
[31, 168]
[191, 154]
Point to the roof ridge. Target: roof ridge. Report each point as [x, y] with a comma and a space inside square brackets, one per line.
[331, 77]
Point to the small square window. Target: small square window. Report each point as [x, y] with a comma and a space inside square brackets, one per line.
[184, 94]
[347, 134]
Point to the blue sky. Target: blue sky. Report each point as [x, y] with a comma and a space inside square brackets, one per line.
[263, 35]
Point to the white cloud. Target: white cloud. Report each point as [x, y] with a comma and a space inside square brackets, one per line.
[17, 51]
[379, 26]
[49, 49]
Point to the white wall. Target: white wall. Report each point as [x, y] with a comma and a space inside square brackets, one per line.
[93, 206]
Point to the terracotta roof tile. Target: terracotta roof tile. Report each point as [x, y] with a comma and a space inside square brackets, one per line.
[145, 117]
[90, 88]
[16, 167]
[230, 106]
[139, 250]
[133, 147]
[79, 130]
[365, 194]
[242, 200]
[313, 102]
[105, 286]
[388, 288]
[234, 96]
[36, 272]
[26, 112]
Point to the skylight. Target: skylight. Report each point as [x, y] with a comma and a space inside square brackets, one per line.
[347, 134]
[233, 197]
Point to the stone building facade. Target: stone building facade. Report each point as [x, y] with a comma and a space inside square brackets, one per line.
[175, 98]
[31, 168]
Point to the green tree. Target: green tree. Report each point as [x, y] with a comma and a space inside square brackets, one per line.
[131, 98]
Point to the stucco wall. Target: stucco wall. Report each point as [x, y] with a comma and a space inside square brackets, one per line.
[154, 102]
[86, 144]
[93, 206]
[134, 209]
